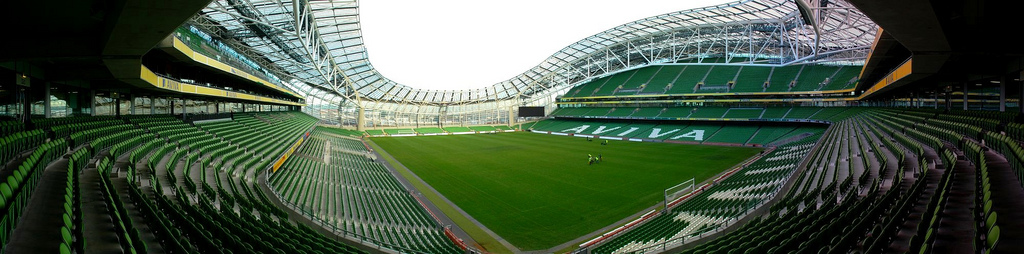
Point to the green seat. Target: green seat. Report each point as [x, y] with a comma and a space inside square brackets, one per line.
[64, 249]
[67, 221]
[19, 175]
[67, 207]
[7, 193]
[991, 221]
[13, 183]
[65, 233]
[993, 238]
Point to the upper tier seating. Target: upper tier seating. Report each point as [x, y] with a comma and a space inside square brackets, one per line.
[737, 113]
[687, 79]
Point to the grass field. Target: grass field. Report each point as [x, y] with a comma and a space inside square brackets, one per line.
[537, 191]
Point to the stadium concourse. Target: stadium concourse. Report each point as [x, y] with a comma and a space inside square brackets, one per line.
[256, 126]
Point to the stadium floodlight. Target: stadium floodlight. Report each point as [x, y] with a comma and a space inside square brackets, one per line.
[680, 190]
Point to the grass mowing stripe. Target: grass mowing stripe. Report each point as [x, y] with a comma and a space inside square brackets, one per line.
[537, 191]
[478, 234]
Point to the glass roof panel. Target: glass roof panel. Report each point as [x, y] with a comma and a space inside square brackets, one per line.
[270, 28]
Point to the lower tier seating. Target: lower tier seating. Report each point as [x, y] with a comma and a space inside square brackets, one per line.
[719, 205]
[877, 181]
[349, 191]
[167, 187]
[679, 130]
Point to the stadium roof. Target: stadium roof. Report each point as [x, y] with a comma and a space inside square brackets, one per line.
[320, 43]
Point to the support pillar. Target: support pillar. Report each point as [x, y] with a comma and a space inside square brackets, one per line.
[1020, 101]
[511, 115]
[46, 100]
[26, 105]
[92, 102]
[965, 96]
[131, 106]
[442, 116]
[340, 120]
[935, 99]
[171, 103]
[184, 109]
[983, 102]
[117, 104]
[1002, 93]
[361, 120]
[949, 98]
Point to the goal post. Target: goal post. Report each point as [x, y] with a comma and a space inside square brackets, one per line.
[681, 189]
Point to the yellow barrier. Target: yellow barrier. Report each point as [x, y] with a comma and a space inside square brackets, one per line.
[277, 165]
[900, 72]
[200, 58]
[175, 86]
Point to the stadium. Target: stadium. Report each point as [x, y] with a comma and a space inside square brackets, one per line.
[752, 126]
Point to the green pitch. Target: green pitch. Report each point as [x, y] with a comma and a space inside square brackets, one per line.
[537, 190]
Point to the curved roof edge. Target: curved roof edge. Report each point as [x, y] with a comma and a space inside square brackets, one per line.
[321, 44]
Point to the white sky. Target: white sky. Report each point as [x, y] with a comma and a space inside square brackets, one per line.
[461, 44]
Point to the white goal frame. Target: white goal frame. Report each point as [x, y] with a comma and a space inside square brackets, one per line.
[677, 191]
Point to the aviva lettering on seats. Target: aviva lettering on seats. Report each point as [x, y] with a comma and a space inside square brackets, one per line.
[652, 133]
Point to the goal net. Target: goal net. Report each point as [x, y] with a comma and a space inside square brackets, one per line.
[675, 192]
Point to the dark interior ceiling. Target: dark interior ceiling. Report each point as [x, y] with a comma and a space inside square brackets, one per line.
[101, 42]
[94, 42]
[886, 54]
[952, 42]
